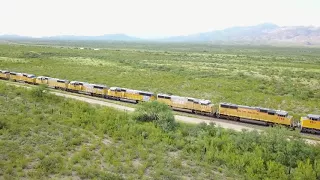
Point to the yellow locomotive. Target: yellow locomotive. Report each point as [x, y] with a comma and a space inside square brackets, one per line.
[310, 123]
[130, 94]
[14, 76]
[4, 74]
[197, 106]
[93, 89]
[24, 77]
[269, 116]
[28, 78]
[19, 76]
[58, 83]
[42, 80]
[76, 86]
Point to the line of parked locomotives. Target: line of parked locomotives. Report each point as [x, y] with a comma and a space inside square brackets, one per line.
[310, 123]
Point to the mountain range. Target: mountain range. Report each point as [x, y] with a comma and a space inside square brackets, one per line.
[266, 33]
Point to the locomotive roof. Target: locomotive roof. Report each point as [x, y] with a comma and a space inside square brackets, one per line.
[314, 116]
[280, 112]
[131, 90]
[72, 82]
[30, 75]
[284, 113]
[99, 85]
[164, 95]
[114, 88]
[43, 77]
[147, 92]
[59, 79]
[202, 101]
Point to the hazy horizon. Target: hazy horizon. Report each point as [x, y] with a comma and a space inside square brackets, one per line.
[149, 19]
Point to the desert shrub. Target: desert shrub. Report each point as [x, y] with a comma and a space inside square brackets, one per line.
[39, 91]
[156, 112]
[3, 124]
[304, 171]
[52, 163]
[31, 54]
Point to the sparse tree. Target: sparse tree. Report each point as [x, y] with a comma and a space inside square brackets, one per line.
[156, 112]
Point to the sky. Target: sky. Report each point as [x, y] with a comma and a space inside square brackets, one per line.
[149, 18]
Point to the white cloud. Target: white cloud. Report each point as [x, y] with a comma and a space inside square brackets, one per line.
[148, 17]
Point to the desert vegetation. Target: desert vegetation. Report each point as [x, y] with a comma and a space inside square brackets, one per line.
[45, 136]
[272, 77]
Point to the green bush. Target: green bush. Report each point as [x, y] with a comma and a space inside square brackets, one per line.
[156, 112]
[39, 91]
[52, 163]
[3, 124]
[31, 54]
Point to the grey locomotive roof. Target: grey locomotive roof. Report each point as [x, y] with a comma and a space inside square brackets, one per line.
[284, 113]
[56, 79]
[114, 88]
[227, 103]
[132, 90]
[43, 77]
[280, 112]
[167, 95]
[271, 110]
[314, 116]
[72, 82]
[206, 102]
[248, 107]
[31, 75]
[202, 101]
[147, 92]
[266, 109]
[99, 85]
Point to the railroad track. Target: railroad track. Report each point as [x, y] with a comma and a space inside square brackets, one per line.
[180, 116]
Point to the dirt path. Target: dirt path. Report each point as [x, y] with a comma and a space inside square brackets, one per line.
[94, 101]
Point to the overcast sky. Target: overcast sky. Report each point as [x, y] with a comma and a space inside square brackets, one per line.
[148, 18]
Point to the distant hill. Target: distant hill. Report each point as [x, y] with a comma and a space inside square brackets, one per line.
[13, 37]
[263, 33]
[107, 37]
[266, 33]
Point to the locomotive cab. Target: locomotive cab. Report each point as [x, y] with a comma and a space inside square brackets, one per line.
[284, 116]
[116, 92]
[4, 74]
[14, 76]
[147, 96]
[30, 78]
[75, 86]
[42, 80]
[310, 123]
